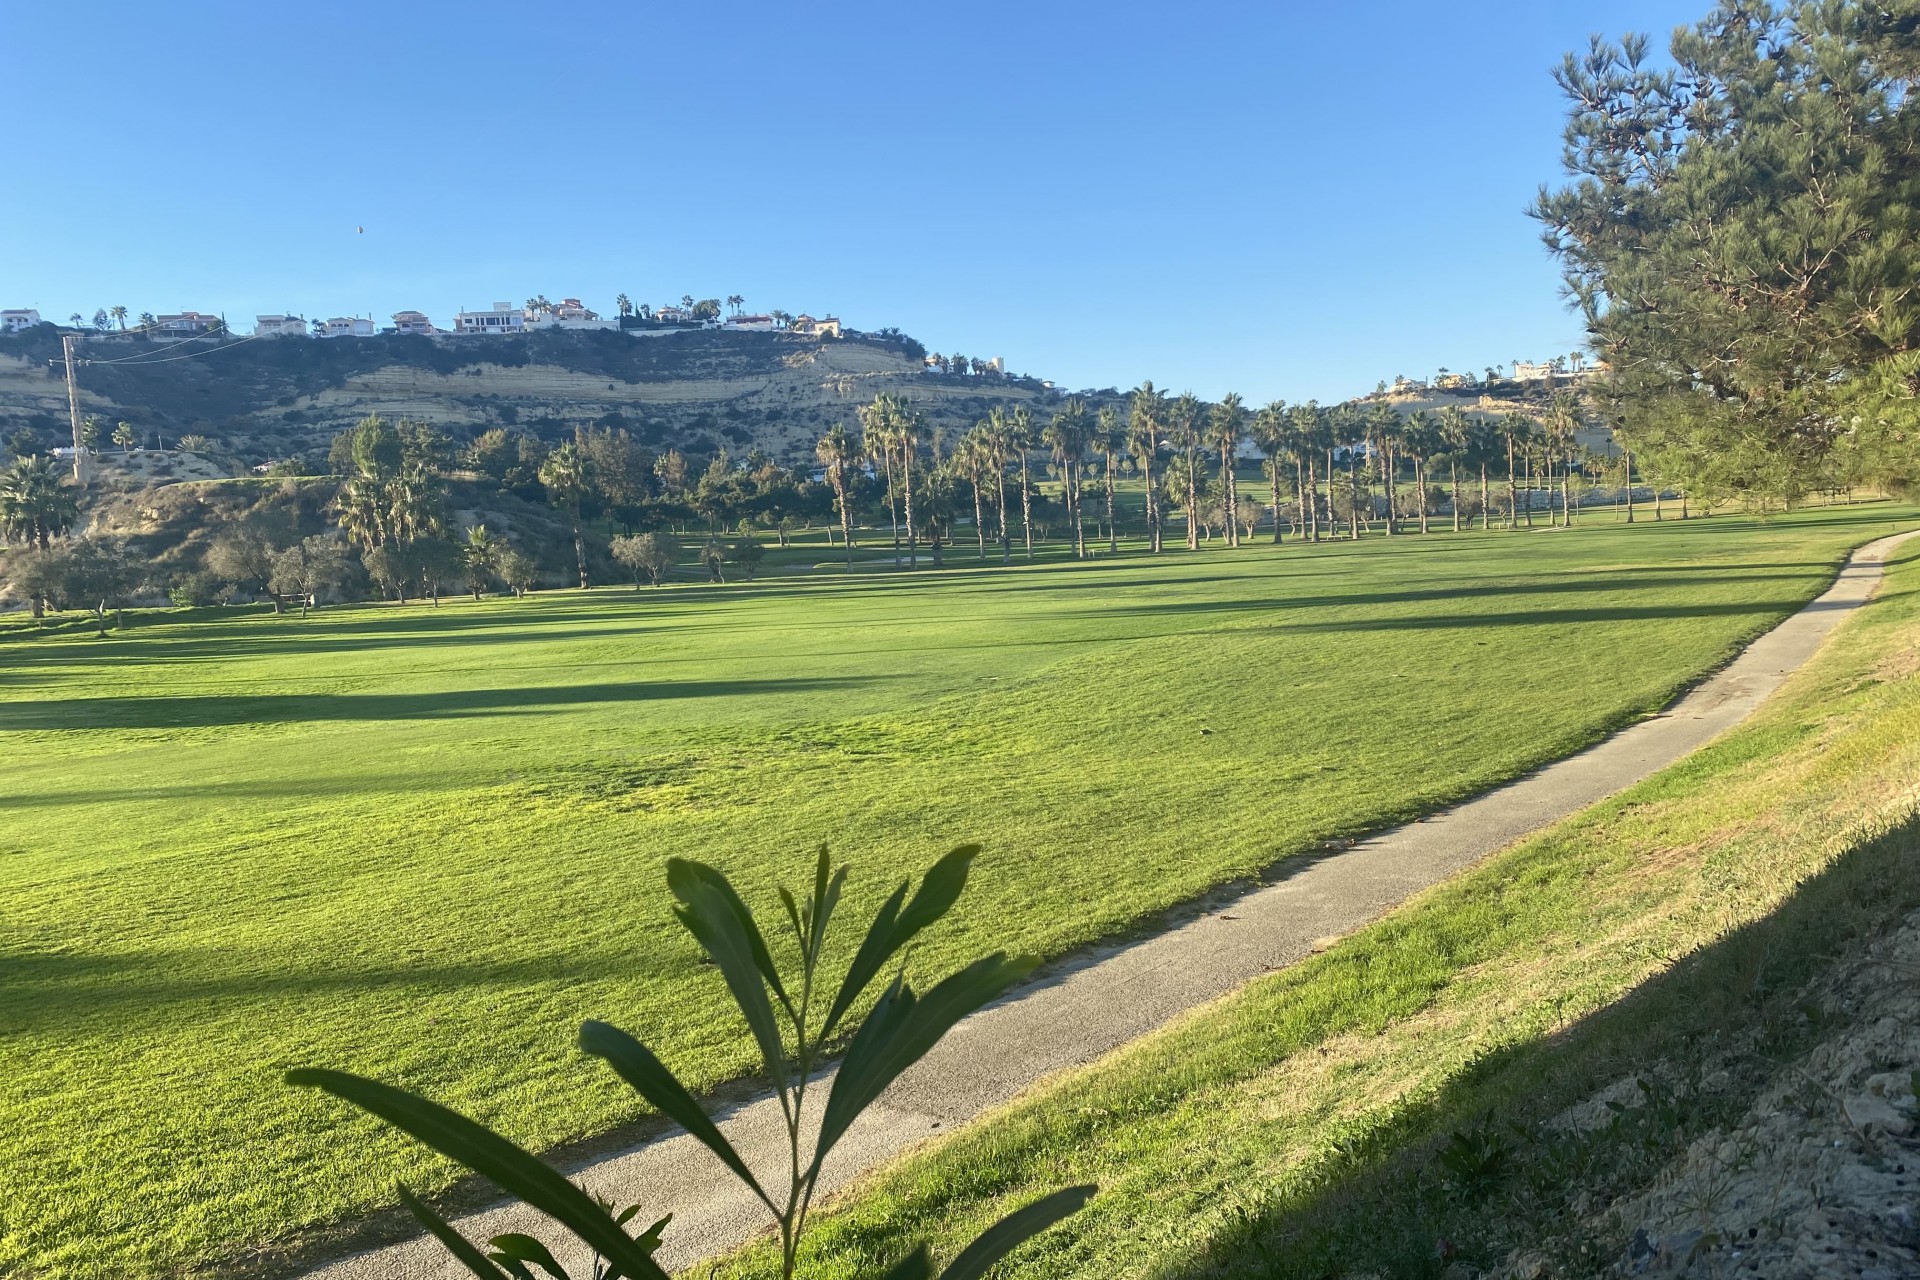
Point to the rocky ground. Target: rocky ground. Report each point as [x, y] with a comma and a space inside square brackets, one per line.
[1820, 1177]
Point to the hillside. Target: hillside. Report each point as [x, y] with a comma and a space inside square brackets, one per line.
[695, 390]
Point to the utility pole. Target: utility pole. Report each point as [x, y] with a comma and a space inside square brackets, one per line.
[68, 341]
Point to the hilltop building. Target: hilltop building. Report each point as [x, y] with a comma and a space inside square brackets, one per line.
[412, 322]
[569, 313]
[187, 324]
[750, 323]
[344, 327]
[824, 327]
[14, 319]
[503, 318]
[279, 327]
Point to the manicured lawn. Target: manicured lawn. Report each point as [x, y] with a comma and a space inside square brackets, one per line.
[424, 844]
[1313, 1124]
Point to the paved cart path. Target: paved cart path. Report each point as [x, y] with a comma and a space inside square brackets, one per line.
[1102, 999]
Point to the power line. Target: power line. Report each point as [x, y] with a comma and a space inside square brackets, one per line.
[190, 355]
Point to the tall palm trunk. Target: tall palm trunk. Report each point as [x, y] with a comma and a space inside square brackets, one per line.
[1193, 498]
[1420, 483]
[1453, 475]
[579, 548]
[1353, 495]
[846, 516]
[1153, 499]
[1513, 490]
[893, 502]
[1113, 534]
[1390, 480]
[1310, 498]
[1026, 505]
[906, 480]
[1566, 491]
[1274, 477]
[1232, 486]
[1079, 524]
[1629, 478]
[979, 517]
[1486, 499]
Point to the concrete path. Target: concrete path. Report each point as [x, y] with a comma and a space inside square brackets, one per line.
[1101, 1000]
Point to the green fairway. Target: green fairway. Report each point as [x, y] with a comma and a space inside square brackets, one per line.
[423, 844]
[1311, 1124]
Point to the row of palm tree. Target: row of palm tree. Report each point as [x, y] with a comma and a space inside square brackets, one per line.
[1323, 465]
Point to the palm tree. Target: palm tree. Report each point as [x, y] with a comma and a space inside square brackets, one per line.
[1562, 422]
[906, 435]
[480, 554]
[1145, 411]
[36, 505]
[1110, 438]
[624, 305]
[1420, 436]
[119, 315]
[1020, 436]
[837, 452]
[735, 302]
[1226, 424]
[1312, 431]
[125, 436]
[974, 455]
[147, 320]
[413, 503]
[1384, 430]
[1066, 436]
[1273, 431]
[686, 301]
[1457, 434]
[1183, 433]
[877, 428]
[567, 475]
[363, 512]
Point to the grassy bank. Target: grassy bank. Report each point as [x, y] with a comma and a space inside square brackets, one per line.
[423, 844]
[1383, 1108]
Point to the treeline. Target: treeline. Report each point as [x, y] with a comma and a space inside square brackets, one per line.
[1739, 233]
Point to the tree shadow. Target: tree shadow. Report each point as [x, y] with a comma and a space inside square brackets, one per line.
[1378, 1199]
[170, 711]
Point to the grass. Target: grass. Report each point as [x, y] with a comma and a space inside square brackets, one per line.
[424, 844]
[1382, 1108]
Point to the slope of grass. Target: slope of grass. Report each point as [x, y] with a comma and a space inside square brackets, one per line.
[1383, 1108]
[423, 844]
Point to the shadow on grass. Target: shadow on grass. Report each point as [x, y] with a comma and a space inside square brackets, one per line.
[217, 709]
[1377, 1199]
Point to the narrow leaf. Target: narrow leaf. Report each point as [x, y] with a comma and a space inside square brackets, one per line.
[525, 1248]
[899, 1031]
[637, 1065]
[458, 1245]
[687, 871]
[1018, 1227]
[705, 912]
[485, 1152]
[893, 928]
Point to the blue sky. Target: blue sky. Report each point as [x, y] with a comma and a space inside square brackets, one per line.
[1287, 200]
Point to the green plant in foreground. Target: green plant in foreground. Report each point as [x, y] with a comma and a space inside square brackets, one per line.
[792, 1035]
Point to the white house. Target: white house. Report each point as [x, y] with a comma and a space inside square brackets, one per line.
[344, 327]
[750, 323]
[186, 324]
[824, 327]
[14, 320]
[412, 322]
[1531, 370]
[569, 313]
[504, 318]
[674, 315]
[279, 327]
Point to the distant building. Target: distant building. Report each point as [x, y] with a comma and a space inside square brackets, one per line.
[1450, 381]
[279, 327]
[14, 320]
[568, 313]
[674, 315]
[824, 327]
[750, 323]
[1532, 370]
[187, 324]
[504, 318]
[412, 322]
[344, 327]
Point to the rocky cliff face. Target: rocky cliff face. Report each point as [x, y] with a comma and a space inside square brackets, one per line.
[695, 390]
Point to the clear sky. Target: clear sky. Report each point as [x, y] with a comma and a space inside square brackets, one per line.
[1284, 199]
